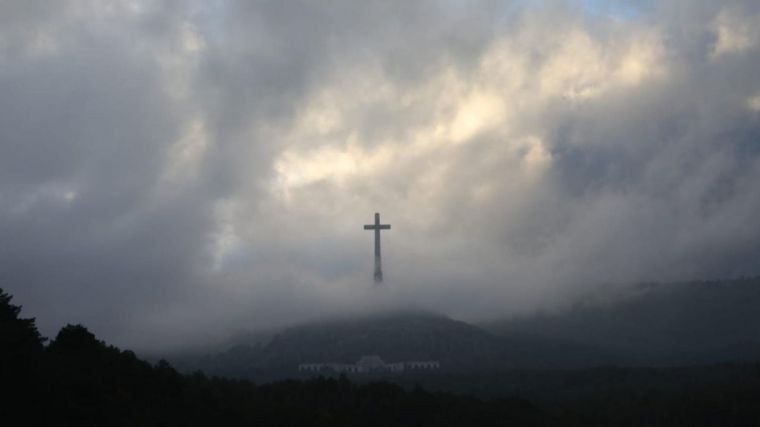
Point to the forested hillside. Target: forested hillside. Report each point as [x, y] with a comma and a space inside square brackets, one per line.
[396, 336]
[78, 380]
[659, 324]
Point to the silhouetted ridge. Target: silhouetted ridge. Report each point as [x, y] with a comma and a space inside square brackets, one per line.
[79, 380]
[676, 323]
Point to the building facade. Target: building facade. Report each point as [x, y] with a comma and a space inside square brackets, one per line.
[369, 364]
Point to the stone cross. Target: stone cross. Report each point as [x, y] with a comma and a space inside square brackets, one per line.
[378, 261]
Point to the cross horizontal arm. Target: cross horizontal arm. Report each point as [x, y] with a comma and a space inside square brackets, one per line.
[377, 227]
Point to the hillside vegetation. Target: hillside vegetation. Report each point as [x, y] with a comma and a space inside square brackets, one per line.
[78, 380]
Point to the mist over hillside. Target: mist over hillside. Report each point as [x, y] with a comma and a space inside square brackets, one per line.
[657, 325]
[660, 324]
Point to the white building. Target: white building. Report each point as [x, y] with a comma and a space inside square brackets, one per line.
[422, 365]
[369, 364]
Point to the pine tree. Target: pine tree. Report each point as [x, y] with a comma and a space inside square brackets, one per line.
[20, 356]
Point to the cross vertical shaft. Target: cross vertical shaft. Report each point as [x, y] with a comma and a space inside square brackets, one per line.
[378, 258]
[378, 275]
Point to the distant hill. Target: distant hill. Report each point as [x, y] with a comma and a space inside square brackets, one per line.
[78, 380]
[657, 325]
[660, 324]
[397, 336]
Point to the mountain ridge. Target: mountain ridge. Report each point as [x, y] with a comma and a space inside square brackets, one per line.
[396, 335]
[660, 324]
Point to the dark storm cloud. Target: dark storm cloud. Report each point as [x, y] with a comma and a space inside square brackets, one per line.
[171, 173]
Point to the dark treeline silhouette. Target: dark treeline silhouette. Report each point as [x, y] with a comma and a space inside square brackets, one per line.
[79, 380]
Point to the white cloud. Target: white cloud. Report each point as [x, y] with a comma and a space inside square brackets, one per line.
[735, 30]
[754, 103]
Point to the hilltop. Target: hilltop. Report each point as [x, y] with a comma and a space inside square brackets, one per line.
[397, 335]
[656, 325]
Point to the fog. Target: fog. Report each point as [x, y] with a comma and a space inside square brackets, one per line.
[175, 173]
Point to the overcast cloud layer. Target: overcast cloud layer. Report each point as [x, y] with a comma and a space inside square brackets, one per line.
[175, 172]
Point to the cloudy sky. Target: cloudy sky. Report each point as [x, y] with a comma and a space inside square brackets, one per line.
[173, 173]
